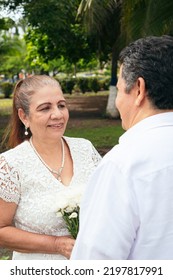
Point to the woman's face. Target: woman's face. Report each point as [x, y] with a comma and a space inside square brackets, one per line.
[48, 113]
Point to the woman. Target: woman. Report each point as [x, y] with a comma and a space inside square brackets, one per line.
[40, 165]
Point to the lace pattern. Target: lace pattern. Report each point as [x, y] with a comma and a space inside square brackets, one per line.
[9, 182]
[26, 181]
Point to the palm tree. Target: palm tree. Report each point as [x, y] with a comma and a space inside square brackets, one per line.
[134, 19]
[144, 18]
[102, 20]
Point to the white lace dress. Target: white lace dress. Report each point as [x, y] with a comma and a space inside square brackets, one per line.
[27, 182]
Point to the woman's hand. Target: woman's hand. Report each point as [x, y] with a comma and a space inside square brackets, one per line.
[64, 245]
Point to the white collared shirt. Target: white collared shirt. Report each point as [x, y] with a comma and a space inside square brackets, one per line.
[127, 209]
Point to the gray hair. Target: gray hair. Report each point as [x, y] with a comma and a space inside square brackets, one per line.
[24, 90]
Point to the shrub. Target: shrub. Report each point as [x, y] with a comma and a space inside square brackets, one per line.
[94, 84]
[67, 85]
[83, 84]
[105, 83]
[7, 89]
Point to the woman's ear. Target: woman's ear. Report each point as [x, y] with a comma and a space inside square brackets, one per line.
[141, 92]
[23, 117]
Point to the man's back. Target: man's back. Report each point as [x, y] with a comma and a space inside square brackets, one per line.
[138, 171]
[128, 203]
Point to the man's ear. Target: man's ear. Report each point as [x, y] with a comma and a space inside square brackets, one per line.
[23, 117]
[141, 91]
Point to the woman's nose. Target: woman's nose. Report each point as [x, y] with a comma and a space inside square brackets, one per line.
[56, 113]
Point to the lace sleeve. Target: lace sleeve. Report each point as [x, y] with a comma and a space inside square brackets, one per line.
[9, 182]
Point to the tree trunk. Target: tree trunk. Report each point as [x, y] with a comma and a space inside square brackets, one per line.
[75, 69]
[111, 110]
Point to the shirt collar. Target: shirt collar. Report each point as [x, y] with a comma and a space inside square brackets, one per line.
[162, 119]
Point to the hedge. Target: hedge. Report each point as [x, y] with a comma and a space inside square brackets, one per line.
[69, 85]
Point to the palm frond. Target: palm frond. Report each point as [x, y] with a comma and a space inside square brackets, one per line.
[146, 17]
[96, 12]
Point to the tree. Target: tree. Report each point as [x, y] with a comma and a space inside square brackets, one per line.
[102, 20]
[54, 30]
[12, 48]
[5, 25]
[12, 54]
[144, 18]
[135, 19]
[111, 24]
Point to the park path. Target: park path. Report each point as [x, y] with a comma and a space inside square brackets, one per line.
[87, 106]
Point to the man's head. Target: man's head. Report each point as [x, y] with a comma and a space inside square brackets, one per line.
[146, 76]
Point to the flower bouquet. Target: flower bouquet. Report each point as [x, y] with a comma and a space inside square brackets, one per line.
[68, 209]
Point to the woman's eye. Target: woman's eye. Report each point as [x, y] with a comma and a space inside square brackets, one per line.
[45, 109]
[61, 106]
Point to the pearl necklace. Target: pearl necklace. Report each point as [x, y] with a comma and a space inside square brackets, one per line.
[58, 173]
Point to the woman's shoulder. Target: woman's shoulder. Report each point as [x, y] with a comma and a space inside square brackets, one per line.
[83, 147]
[16, 152]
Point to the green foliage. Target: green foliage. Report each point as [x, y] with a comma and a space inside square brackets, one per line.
[143, 18]
[6, 88]
[5, 258]
[37, 47]
[94, 84]
[105, 83]
[2, 24]
[67, 84]
[83, 84]
[12, 55]
[6, 23]
[54, 31]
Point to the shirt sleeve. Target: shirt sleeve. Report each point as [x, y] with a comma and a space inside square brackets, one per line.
[9, 182]
[108, 219]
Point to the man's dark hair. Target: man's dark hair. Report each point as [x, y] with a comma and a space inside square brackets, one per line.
[152, 59]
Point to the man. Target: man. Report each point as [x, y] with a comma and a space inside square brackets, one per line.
[127, 210]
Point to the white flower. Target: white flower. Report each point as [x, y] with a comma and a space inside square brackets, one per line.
[68, 208]
[73, 215]
[59, 214]
[69, 199]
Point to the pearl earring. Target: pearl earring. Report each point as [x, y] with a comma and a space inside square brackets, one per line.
[26, 131]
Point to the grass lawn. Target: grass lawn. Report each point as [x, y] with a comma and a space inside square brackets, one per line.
[5, 106]
[103, 133]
